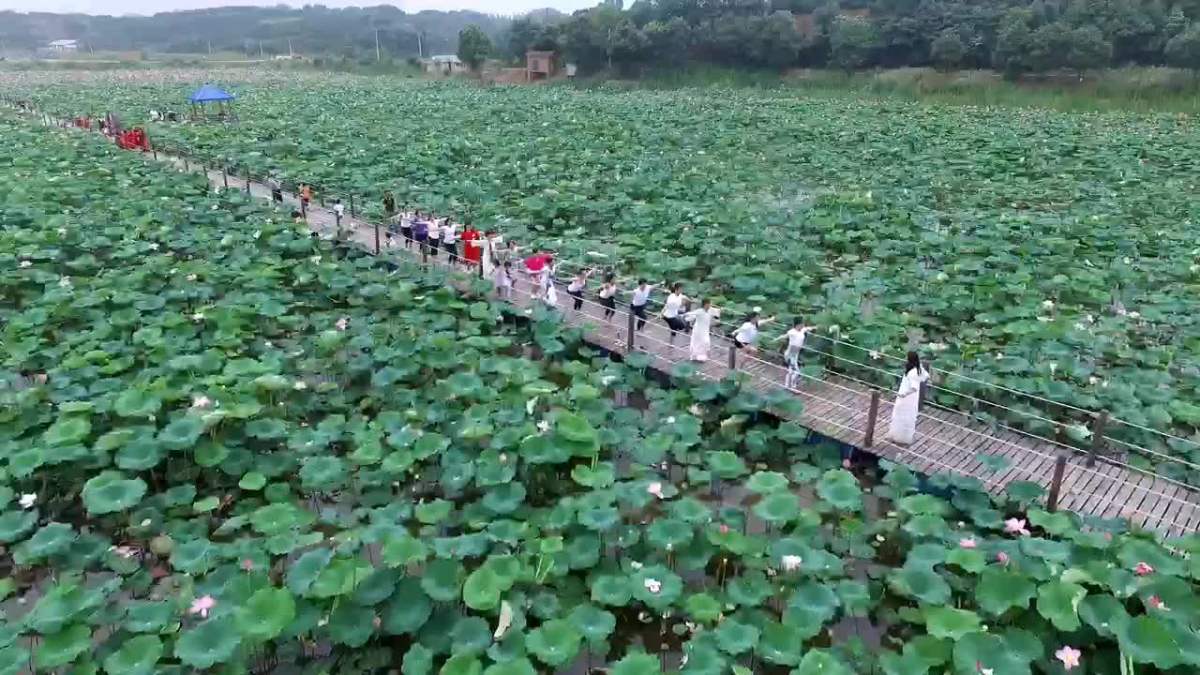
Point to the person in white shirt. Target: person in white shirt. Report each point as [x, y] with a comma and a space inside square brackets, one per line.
[406, 223]
[608, 296]
[791, 353]
[339, 210]
[450, 240]
[747, 334]
[673, 309]
[550, 297]
[504, 281]
[639, 300]
[903, 427]
[701, 320]
[575, 288]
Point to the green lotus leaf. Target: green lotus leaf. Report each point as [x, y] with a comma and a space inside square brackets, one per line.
[821, 662]
[209, 454]
[1051, 551]
[144, 616]
[59, 649]
[1000, 589]
[555, 643]
[267, 428]
[1057, 524]
[1148, 639]
[433, 512]
[140, 454]
[266, 613]
[920, 583]
[14, 525]
[137, 403]
[778, 508]
[593, 623]
[703, 608]
[668, 534]
[518, 666]
[461, 664]
[656, 586]
[764, 482]
[637, 663]
[67, 430]
[418, 660]
[194, 557]
[736, 638]
[1059, 602]
[504, 499]
[407, 610]
[51, 539]
[182, 433]
[611, 590]
[903, 664]
[471, 634]
[1136, 551]
[351, 625]
[340, 577]
[979, 651]
[840, 489]
[923, 505]
[1024, 491]
[600, 519]
[279, 518]
[600, 476]
[442, 580]
[252, 481]
[404, 550]
[749, 589]
[323, 473]
[725, 464]
[482, 589]
[376, 588]
[209, 643]
[950, 623]
[137, 656]
[111, 491]
[779, 644]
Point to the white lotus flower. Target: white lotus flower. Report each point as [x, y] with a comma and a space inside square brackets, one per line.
[938, 347]
[635, 564]
[213, 207]
[875, 356]
[342, 323]
[670, 420]
[198, 316]
[652, 585]
[608, 379]
[543, 426]
[530, 405]
[791, 563]
[191, 277]
[62, 231]
[201, 402]
[696, 409]
[315, 259]
[28, 500]
[64, 282]
[124, 551]
[1090, 319]
[1053, 367]
[655, 489]
[1135, 315]
[299, 385]
[153, 246]
[26, 263]
[1047, 304]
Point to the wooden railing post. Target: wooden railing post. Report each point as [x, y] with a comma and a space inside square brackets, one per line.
[872, 416]
[225, 177]
[630, 327]
[247, 185]
[732, 357]
[1060, 465]
[376, 238]
[352, 214]
[185, 164]
[1098, 438]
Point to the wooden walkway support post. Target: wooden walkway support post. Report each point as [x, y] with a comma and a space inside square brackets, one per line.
[352, 213]
[186, 168]
[630, 328]
[225, 177]
[872, 416]
[376, 238]
[732, 357]
[247, 185]
[1098, 438]
[1060, 465]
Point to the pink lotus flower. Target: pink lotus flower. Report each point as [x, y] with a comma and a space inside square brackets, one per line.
[248, 565]
[981, 670]
[1156, 602]
[1016, 526]
[655, 489]
[201, 605]
[724, 528]
[342, 323]
[1069, 657]
[969, 542]
[1143, 569]
[1002, 558]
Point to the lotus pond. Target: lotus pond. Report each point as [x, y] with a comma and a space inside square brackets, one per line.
[1051, 253]
[252, 451]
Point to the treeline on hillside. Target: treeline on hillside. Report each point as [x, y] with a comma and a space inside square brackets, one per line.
[1014, 36]
[312, 30]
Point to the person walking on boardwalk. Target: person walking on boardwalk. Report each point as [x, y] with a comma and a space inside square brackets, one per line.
[406, 225]
[276, 189]
[608, 296]
[701, 320]
[672, 311]
[908, 400]
[746, 336]
[575, 288]
[450, 241]
[504, 281]
[420, 230]
[639, 299]
[435, 236]
[339, 210]
[389, 204]
[490, 257]
[306, 193]
[472, 245]
[791, 352]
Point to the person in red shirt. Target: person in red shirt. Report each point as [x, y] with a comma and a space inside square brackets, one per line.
[472, 247]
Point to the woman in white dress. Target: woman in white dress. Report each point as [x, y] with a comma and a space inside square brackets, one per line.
[490, 255]
[701, 320]
[908, 400]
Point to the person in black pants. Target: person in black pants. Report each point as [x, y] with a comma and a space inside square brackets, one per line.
[640, 298]
[608, 296]
[575, 288]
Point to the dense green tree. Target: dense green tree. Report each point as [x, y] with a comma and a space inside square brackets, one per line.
[852, 43]
[670, 41]
[1089, 50]
[948, 50]
[474, 47]
[1183, 50]
[1013, 53]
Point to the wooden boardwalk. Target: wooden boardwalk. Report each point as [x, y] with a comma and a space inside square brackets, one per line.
[839, 408]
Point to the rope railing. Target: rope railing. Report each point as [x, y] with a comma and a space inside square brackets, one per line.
[595, 315]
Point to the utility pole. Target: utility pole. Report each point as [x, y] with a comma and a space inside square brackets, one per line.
[260, 51]
[290, 52]
[378, 58]
[210, 49]
[420, 47]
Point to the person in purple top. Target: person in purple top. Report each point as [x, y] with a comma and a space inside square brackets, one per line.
[420, 230]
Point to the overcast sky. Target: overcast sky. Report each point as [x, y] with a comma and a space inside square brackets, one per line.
[152, 6]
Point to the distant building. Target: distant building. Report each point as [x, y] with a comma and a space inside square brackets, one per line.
[446, 64]
[63, 45]
[540, 65]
